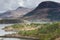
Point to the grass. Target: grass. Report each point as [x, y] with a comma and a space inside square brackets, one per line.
[17, 26]
[45, 32]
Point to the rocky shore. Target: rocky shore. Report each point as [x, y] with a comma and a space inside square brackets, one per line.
[20, 36]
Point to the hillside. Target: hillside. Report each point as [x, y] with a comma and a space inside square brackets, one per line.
[19, 12]
[46, 11]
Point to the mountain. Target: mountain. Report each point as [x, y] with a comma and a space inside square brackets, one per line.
[19, 12]
[46, 11]
[48, 4]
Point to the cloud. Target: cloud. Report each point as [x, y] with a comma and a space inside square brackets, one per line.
[21, 3]
[33, 3]
[30, 3]
[8, 5]
[13, 4]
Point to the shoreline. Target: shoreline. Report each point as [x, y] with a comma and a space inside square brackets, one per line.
[19, 36]
[16, 35]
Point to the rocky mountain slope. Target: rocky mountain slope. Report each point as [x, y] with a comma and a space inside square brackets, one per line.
[19, 12]
[46, 11]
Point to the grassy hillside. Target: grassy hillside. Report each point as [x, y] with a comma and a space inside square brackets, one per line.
[42, 31]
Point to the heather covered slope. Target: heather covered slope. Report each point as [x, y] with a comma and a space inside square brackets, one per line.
[46, 11]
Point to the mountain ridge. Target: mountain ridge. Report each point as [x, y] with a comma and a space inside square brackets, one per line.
[46, 11]
[19, 12]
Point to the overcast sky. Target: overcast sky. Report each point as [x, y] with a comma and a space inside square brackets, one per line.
[13, 4]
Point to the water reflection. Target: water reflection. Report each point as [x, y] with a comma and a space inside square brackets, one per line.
[13, 39]
[2, 32]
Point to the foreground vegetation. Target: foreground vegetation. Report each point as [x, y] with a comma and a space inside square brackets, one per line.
[43, 31]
